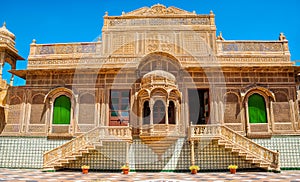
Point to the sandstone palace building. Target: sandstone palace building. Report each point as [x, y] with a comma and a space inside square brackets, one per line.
[159, 90]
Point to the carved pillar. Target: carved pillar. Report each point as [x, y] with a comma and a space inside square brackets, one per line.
[268, 118]
[12, 76]
[272, 121]
[1, 63]
[151, 115]
[247, 118]
[167, 111]
[102, 114]
[192, 152]
[51, 116]
[11, 83]
[76, 114]
[216, 112]
[27, 121]
[140, 116]
[292, 113]
[23, 117]
[221, 113]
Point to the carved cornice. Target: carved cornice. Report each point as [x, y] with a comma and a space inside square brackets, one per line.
[158, 10]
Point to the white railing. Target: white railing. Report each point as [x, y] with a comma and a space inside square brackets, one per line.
[223, 132]
[103, 133]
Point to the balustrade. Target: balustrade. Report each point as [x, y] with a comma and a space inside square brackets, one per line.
[198, 131]
[96, 135]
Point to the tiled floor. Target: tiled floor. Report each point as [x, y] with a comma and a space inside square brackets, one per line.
[32, 175]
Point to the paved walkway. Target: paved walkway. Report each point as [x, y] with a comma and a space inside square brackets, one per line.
[32, 175]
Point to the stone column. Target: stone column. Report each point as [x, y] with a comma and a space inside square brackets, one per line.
[140, 116]
[216, 113]
[151, 115]
[192, 152]
[221, 113]
[268, 118]
[12, 76]
[247, 118]
[76, 120]
[167, 111]
[1, 63]
[272, 120]
[51, 116]
[292, 113]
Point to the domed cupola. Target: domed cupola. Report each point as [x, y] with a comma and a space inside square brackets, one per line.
[6, 36]
[158, 77]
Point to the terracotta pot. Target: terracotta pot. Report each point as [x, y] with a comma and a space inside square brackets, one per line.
[194, 171]
[232, 171]
[85, 171]
[125, 171]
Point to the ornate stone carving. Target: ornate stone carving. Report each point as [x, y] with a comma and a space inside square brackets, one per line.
[252, 46]
[157, 10]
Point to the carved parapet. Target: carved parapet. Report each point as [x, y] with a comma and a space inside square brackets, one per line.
[64, 49]
[157, 15]
[252, 46]
[254, 52]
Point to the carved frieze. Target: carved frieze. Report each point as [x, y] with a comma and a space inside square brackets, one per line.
[252, 46]
[159, 21]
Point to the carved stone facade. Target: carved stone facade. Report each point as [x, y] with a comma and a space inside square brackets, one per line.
[157, 69]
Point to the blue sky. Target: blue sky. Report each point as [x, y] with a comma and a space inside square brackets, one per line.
[54, 21]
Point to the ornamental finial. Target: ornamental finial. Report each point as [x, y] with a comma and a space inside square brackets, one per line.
[4, 24]
[282, 37]
[220, 36]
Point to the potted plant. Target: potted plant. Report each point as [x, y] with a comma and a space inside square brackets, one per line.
[125, 169]
[232, 168]
[85, 169]
[194, 169]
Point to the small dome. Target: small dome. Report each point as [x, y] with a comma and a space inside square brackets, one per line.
[160, 73]
[5, 32]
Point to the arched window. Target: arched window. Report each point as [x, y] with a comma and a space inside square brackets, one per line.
[257, 109]
[159, 112]
[61, 111]
[146, 113]
[171, 112]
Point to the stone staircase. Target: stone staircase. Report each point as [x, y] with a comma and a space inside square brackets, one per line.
[237, 144]
[159, 144]
[86, 143]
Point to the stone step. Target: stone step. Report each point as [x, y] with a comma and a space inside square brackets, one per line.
[264, 165]
[63, 161]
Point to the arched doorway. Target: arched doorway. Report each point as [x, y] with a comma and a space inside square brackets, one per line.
[159, 112]
[257, 109]
[61, 110]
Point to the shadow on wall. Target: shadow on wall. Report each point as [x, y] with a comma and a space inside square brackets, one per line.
[2, 119]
